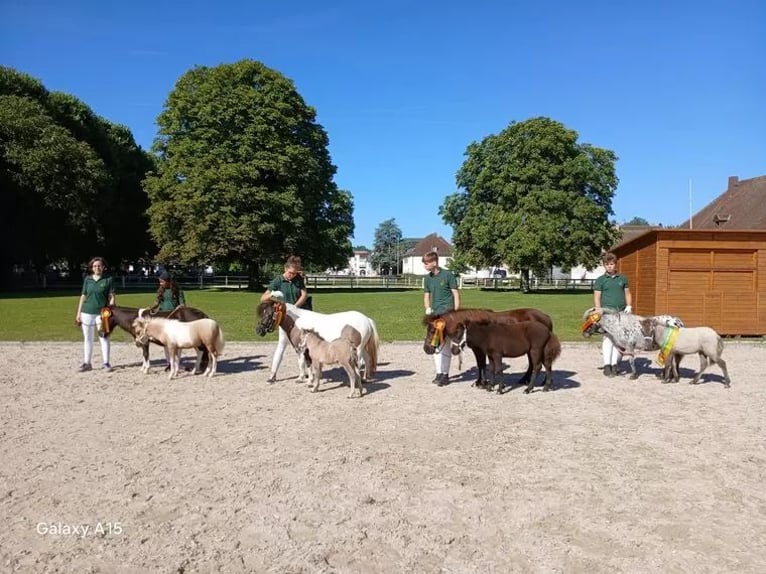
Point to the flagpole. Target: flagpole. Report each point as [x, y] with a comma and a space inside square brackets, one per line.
[691, 226]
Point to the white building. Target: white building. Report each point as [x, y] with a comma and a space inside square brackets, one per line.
[412, 262]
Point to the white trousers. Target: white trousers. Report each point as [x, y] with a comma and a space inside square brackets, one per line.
[89, 325]
[282, 344]
[443, 357]
[609, 352]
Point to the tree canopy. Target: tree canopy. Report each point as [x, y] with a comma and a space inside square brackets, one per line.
[532, 197]
[70, 180]
[244, 173]
[387, 248]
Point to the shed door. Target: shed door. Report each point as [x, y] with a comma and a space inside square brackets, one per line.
[717, 288]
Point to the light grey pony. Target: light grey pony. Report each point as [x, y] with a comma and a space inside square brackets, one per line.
[624, 329]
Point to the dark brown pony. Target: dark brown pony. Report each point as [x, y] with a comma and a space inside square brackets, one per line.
[123, 317]
[511, 315]
[497, 335]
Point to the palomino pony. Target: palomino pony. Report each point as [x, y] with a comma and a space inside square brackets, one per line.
[624, 329]
[176, 335]
[494, 336]
[341, 351]
[330, 327]
[461, 315]
[123, 317]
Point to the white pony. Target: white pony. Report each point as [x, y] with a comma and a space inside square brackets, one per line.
[176, 335]
[330, 327]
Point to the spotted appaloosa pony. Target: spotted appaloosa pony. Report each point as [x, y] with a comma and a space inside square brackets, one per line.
[624, 329]
[123, 317]
[176, 335]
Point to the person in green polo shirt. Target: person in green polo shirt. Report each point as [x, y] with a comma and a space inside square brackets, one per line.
[440, 294]
[293, 287]
[611, 291]
[97, 293]
[169, 296]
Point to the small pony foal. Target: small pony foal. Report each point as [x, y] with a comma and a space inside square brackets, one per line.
[176, 335]
[342, 351]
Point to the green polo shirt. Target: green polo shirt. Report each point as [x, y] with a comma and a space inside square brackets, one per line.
[166, 303]
[96, 294]
[440, 287]
[291, 289]
[612, 289]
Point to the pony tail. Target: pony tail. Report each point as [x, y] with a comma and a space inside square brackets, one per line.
[220, 342]
[373, 343]
[552, 348]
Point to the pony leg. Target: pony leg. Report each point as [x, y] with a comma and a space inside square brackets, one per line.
[536, 371]
[213, 367]
[726, 380]
[363, 359]
[704, 363]
[197, 361]
[351, 381]
[145, 365]
[173, 360]
[497, 372]
[526, 378]
[316, 375]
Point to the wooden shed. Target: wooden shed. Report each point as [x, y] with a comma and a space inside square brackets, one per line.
[707, 277]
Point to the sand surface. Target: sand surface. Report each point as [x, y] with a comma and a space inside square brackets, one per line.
[126, 472]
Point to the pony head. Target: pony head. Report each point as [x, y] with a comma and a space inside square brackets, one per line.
[270, 314]
[592, 322]
[434, 334]
[140, 336]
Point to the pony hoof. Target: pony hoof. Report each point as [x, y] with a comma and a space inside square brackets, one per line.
[527, 391]
[634, 376]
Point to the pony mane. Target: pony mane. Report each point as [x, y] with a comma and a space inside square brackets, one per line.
[464, 316]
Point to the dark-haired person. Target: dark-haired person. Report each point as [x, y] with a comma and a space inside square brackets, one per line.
[97, 293]
[169, 296]
[293, 287]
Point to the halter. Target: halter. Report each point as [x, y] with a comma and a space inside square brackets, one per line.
[592, 319]
[276, 318]
[438, 336]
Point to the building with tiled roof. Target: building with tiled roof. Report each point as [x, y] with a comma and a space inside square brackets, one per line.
[412, 262]
[741, 206]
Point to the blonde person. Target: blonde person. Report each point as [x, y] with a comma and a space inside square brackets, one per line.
[440, 294]
[97, 293]
[293, 287]
[611, 290]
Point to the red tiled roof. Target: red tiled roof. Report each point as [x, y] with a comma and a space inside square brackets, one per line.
[741, 206]
[432, 242]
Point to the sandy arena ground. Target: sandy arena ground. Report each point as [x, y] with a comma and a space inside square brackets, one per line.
[126, 472]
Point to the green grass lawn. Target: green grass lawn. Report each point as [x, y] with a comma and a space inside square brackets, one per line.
[49, 316]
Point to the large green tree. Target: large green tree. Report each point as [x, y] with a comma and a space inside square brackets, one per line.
[387, 248]
[532, 197]
[69, 180]
[244, 174]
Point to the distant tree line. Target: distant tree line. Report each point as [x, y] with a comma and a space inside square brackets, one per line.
[240, 177]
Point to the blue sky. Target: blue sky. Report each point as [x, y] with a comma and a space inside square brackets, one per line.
[675, 88]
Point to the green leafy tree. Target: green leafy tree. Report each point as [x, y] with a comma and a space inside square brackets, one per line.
[387, 248]
[532, 197]
[70, 179]
[637, 221]
[244, 174]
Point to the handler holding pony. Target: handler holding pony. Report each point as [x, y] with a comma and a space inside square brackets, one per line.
[293, 288]
[611, 291]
